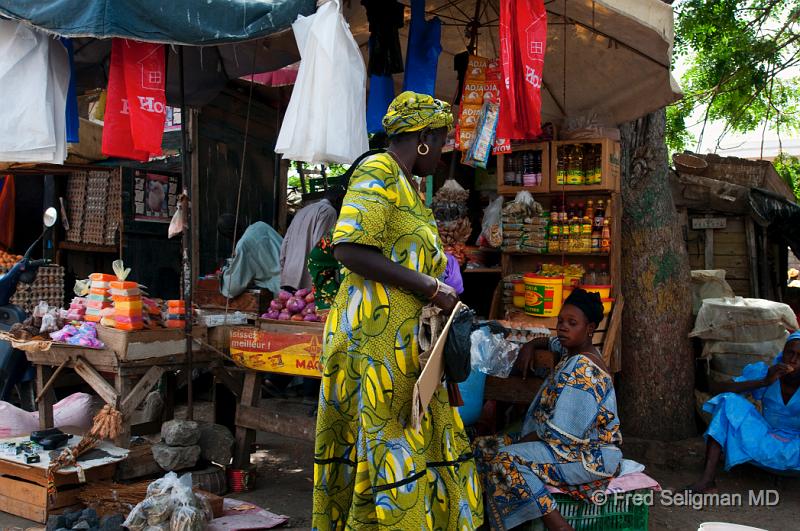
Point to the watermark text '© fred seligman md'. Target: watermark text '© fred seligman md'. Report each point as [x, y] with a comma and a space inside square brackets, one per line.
[695, 500]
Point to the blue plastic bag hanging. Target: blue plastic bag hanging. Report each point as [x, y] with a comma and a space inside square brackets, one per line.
[424, 47]
[72, 97]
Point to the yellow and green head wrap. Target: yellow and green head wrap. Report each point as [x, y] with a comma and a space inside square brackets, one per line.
[411, 112]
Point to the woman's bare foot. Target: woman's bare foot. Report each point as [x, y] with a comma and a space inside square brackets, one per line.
[703, 487]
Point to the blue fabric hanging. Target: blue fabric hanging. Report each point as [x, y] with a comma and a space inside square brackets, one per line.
[424, 47]
[72, 97]
[381, 94]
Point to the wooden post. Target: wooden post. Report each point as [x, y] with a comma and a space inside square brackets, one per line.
[709, 251]
[43, 374]
[752, 257]
[123, 387]
[245, 437]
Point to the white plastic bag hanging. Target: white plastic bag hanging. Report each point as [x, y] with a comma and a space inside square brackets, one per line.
[326, 117]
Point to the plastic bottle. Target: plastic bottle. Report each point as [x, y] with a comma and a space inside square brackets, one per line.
[561, 175]
[554, 232]
[575, 235]
[586, 235]
[598, 164]
[605, 238]
[590, 279]
[575, 166]
[597, 237]
[599, 215]
[508, 170]
[590, 210]
[603, 278]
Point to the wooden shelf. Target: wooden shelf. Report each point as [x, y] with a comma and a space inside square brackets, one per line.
[495, 270]
[525, 253]
[87, 247]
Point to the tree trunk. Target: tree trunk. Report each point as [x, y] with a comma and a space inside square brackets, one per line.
[657, 381]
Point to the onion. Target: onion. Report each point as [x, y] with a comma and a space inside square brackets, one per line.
[297, 317]
[284, 316]
[284, 295]
[309, 298]
[295, 305]
[309, 309]
[276, 305]
[312, 318]
[301, 293]
[272, 314]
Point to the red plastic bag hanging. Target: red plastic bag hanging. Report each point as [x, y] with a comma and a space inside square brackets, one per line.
[523, 42]
[136, 102]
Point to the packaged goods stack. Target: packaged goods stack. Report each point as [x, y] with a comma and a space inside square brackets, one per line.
[450, 210]
[77, 309]
[176, 314]
[151, 313]
[76, 203]
[127, 305]
[113, 207]
[94, 221]
[525, 225]
[48, 287]
[99, 296]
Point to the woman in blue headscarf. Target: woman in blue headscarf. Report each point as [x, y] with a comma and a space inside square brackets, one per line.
[769, 439]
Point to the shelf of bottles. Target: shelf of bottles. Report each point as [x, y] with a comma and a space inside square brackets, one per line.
[585, 166]
[527, 167]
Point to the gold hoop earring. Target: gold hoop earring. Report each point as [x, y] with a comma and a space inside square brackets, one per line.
[423, 153]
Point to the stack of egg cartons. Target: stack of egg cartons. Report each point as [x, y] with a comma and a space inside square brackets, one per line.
[127, 305]
[176, 314]
[98, 299]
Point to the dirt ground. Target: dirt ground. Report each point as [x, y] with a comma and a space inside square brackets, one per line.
[285, 485]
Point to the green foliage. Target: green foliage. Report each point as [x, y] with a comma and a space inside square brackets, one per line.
[788, 168]
[332, 171]
[740, 55]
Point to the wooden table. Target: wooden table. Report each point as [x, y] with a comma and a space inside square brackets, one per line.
[282, 347]
[123, 373]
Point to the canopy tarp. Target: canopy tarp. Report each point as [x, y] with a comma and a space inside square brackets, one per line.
[781, 217]
[607, 57]
[189, 22]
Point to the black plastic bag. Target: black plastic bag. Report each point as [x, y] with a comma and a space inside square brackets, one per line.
[457, 364]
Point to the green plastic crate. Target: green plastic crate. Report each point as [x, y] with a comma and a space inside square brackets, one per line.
[620, 514]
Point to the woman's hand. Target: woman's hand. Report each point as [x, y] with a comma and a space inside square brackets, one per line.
[526, 359]
[446, 298]
[531, 437]
[776, 372]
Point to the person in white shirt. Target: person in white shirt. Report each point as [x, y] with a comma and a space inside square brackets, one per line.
[307, 228]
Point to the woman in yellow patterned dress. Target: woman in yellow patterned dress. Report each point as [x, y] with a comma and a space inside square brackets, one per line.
[372, 469]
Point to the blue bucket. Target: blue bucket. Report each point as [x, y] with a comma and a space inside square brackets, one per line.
[472, 393]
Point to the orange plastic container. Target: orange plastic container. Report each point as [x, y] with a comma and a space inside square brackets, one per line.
[129, 298]
[124, 285]
[176, 304]
[176, 324]
[122, 306]
[102, 277]
[98, 291]
[129, 327]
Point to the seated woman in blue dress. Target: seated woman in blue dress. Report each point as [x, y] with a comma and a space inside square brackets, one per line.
[769, 439]
[571, 432]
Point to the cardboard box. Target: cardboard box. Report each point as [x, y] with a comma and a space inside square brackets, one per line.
[278, 347]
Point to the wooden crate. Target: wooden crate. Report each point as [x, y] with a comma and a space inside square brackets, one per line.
[30, 501]
[543, 188]
[23, 489]
[610, 167]
[145, 344]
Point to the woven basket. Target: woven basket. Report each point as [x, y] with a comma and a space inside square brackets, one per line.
[687, 163]
[211, 479]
